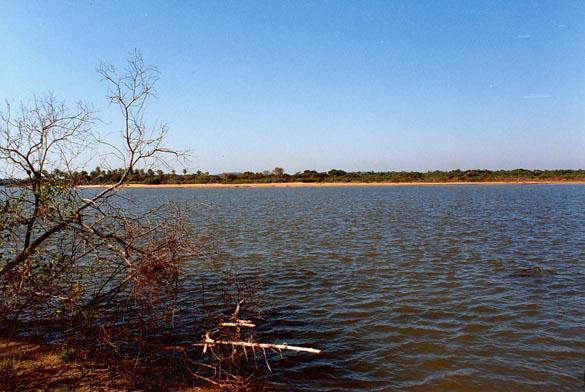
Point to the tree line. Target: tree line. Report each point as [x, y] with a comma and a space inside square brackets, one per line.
[99, 176]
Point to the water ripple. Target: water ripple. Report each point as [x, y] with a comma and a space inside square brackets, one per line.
[412, 288]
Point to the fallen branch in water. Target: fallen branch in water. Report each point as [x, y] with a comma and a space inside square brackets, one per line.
[236, 314]
[209, 342]
[226, 342]
[235, 320]
[239, 323]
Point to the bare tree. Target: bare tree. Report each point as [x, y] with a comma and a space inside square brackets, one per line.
[69, 254]
[95, 267]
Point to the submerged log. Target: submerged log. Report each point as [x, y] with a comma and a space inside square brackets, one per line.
[531, 271]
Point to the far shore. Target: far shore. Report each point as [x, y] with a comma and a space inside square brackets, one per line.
[336, 184]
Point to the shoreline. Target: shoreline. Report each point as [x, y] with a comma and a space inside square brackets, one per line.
[335, 184]
[33, 365]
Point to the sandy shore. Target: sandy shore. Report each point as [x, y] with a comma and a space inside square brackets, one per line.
[339, 184]
[35, 366]
[28, 366]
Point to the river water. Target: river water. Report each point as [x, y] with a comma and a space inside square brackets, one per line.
[411, 288]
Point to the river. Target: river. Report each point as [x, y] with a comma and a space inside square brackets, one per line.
[413, 288]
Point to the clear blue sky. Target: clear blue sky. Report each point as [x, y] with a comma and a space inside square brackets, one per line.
[389, 85]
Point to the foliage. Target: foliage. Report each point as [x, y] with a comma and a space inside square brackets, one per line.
[141, 176]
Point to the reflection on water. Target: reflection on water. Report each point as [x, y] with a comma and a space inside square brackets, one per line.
[412, 288]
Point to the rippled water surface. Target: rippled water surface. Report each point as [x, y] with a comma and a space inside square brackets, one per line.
[412, 288]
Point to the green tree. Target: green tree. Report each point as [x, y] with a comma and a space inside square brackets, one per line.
[278, 172]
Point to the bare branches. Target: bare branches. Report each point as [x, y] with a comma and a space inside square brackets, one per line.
[95, 267]
[231, 339]
[43, 135]
[47, 136]
[41, 143]
[98, 268]
[130, 90]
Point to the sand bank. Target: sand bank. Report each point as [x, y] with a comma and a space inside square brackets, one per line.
[339, 184]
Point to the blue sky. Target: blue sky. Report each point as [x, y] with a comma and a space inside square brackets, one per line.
[366, 85]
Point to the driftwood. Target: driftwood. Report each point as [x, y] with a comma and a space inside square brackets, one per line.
[236, 314]
[239, 323]
[208, 342]
[235, 322]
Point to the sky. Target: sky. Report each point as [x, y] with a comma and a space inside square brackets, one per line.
[353, 85]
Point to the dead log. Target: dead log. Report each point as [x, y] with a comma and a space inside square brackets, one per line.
[209, 342]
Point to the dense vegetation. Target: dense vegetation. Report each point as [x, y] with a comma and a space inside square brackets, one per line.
[141, 176]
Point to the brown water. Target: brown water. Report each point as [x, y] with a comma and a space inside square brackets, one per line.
[412, 288]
